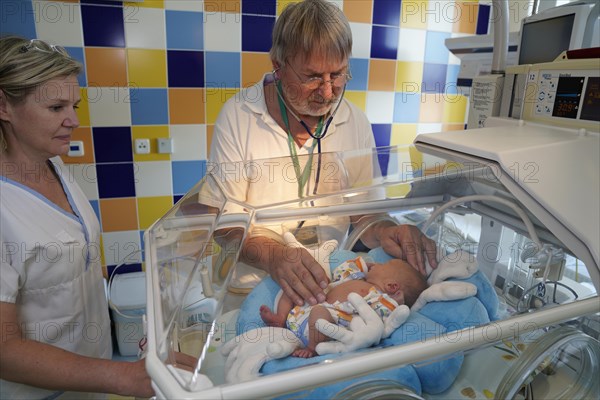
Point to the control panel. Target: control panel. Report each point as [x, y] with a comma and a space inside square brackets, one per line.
[562, 93]
[567, 94]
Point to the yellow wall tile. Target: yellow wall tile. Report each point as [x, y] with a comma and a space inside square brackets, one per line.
[254, 66]
[151, 209]
[413, 14]
[186, 106]
[147, 68]
[102, 259]
[403, 134]
[409, 76]
[119, 214]
[382, 75]
[85, 135]
[83, 112]
[455, 108]
[359, 11]
[281, 4]
[215, 98]
[106, 67]
[358, 98]
[152, 133]
[145, 3]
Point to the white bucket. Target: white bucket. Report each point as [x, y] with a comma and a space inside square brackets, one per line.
[127, 299]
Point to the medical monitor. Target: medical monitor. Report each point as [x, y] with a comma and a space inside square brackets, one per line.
[546, 35]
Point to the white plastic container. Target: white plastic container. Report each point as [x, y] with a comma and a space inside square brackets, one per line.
[127, 299]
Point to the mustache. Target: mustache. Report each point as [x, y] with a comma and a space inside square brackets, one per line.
[322, 101]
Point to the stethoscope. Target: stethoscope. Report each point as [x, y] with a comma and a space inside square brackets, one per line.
[319, 134]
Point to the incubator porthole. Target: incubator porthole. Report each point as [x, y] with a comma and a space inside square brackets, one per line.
[563, 364]
[380, 389]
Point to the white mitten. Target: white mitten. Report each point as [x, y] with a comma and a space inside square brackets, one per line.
[366, 329]
[395, 319]
[320, 254]
[445, 291]
[246, 353]
[459, 265]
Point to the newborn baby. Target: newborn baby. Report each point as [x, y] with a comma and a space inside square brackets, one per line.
[384, 286]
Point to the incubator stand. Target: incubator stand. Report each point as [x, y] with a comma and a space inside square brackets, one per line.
[544, 342]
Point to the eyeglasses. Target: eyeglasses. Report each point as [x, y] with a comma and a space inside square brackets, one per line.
[40, 45]
[314, 82]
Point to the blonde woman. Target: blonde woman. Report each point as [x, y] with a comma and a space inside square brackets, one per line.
[53, 310]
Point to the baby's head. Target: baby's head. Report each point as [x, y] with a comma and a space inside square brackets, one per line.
[398, 279]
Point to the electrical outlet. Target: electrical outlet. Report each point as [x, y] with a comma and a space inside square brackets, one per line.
[142, 146]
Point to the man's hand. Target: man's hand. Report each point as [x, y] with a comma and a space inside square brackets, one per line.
[407, 243]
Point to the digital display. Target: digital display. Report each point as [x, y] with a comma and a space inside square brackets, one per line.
[568, 97]
[590, 108]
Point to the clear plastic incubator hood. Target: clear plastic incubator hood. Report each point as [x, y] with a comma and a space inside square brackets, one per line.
[525, 214]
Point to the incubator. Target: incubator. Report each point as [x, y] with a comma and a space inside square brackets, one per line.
[519, 198]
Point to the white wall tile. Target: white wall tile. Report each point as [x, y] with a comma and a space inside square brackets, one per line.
[411, 44]
[380, 107]
[441, 15]
[109, 106]
[222, 31]
[189, 142]
[428, 128]
[184, 5]
[58, 22]
[361, 40]
[153, 178]
[145, 28]
[121, 247]
[86, 178]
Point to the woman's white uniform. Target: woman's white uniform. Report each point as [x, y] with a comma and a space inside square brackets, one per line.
[51, 270]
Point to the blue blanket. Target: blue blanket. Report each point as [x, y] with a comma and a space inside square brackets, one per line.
[434, 319]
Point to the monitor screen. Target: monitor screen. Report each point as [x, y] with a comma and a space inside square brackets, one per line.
[543, 41]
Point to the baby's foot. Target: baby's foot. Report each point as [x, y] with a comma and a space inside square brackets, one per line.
[304, 353]
[270, 318]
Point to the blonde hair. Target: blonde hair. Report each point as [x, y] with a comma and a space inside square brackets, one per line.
[311, 27]
[27, 64]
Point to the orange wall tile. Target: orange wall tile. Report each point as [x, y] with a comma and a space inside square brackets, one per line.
[186, 106]
[432, 107]
[465, 18]
[209, 134]
[382, 75]
[359, 11]
[85, 135]
[119, 214]
[106, 67]
[254, 66]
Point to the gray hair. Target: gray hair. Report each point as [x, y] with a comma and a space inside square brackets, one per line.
[25, 65]
[312, 27]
